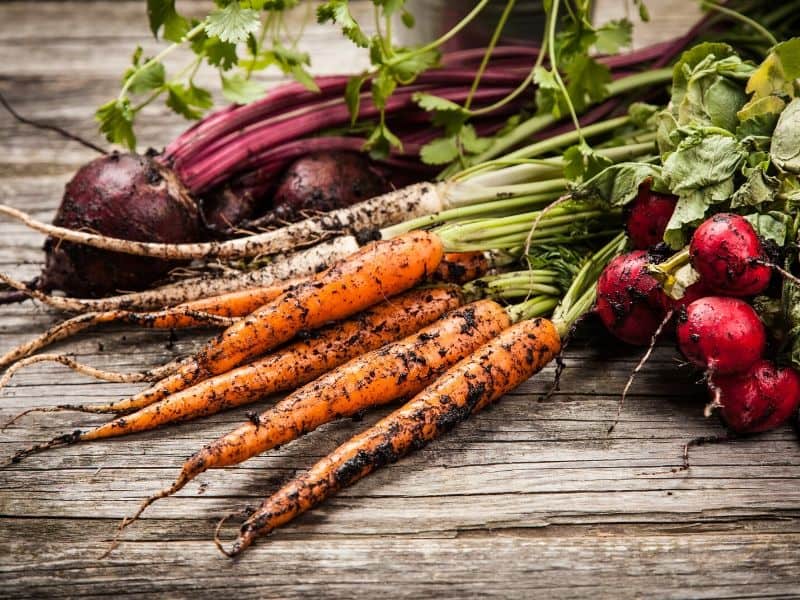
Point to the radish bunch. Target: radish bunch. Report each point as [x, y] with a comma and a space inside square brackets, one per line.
[716, 328]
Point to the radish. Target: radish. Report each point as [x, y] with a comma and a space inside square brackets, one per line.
[630, 301]
[759, 399]
[721, 334]
[726, 251]
[648, 216]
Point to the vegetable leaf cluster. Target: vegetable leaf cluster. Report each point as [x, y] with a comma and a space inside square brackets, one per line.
[248, 34]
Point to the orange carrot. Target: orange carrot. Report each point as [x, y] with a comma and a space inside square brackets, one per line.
[394, 371]
[461, 267]
[287, 368]
[374, 273]
[218, 310]
[480, 379]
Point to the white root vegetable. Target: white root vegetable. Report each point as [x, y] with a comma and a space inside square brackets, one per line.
[293, 266]
[381, 211]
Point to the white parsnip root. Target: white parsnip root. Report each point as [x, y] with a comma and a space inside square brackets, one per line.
[293, 266]
[381, 211]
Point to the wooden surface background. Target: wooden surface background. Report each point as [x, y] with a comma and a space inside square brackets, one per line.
[530, 498]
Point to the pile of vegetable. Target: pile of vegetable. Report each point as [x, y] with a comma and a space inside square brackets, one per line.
[655, 217]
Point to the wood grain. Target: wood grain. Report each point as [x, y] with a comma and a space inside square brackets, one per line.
[530, 498]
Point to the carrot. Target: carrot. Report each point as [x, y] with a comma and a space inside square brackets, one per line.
[291, 366]
[461, 267]
[394, 371]
[480, 379]
[377, 271]
[217, 310]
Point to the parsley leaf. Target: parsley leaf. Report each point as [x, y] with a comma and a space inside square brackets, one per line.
[439, 151]
[162, 13]
[238, 90]
[116, 122]
[613, 36]
[146, 78]
[338, 11]
[183, 100]
[232, 23]
[352, 96]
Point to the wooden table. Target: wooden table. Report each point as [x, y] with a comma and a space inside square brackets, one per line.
[530, 498]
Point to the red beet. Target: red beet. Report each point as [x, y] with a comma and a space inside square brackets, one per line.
[648, 217]
[723, 251]
[630, 301]
[721, 334]
[125, 196]
[760, 399]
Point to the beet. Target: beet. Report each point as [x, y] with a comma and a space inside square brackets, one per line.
[630, 301]
[723, 251]
[125, 196]
[760, 399]
[648, 216]
[324, 181]
[724, 335]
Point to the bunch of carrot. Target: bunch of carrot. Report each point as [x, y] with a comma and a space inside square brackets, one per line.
[374, 328]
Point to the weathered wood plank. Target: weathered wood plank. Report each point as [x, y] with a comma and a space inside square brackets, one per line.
[528, 498]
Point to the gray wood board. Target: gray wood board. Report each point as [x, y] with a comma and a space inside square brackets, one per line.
[530, 497]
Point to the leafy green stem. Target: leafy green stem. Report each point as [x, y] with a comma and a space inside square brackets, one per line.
[501, 23]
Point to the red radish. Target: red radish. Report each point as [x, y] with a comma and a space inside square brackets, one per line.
[759, 399]
[648, 217]
[721, 334]
[121, 195]
[724, 250]
[630, 301]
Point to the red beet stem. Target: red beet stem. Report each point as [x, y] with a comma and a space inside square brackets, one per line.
[238, 154]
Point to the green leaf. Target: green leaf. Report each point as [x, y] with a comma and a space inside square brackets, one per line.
[337, 11]
[186, 100]
[785, 148]
[116, 122]
[383, 86]
[352, 95]
[644, 14]
[430, 102]
[145, 79]
[583, 163]
[613, 36]
[162, 13]
[220, 54]
[439, 151]
[759, 188]
[471, 142]
[408, 19]
[689, 211]
[549, 98]
[304, 78]
[788, 53]
[587, 81]
[232, 23]
[706, 158]
[381, 141]
[617, 184]
[390, 6]
[238, 90]
[770, 226]
[643, 114]
[759, 117]
[409, 66]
